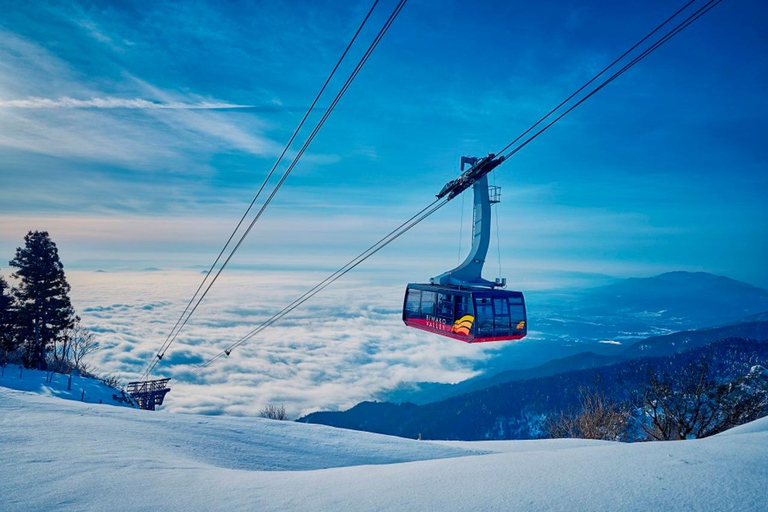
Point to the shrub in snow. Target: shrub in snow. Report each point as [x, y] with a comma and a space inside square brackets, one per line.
[273, 412]
[690, 403]
[597, 417]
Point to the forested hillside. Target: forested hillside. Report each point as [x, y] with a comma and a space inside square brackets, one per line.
[522, 409]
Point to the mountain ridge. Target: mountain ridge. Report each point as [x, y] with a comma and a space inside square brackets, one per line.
[618, 310]
[518, 409]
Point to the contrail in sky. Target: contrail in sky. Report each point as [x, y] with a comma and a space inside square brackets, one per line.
[139, 104]
[134, 103]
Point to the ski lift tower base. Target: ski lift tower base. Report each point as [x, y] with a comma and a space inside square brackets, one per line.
[148, 393]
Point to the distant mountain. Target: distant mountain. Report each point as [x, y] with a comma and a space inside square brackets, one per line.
[517, 410]
[759, 317]
[691, 297]
[572, 327]
[681, 341]
[423, 393]
[427, 392]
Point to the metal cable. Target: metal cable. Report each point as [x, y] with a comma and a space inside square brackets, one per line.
[437, 204]
[354, 262]
[461, 230]
[298, 156]
[496, 217]
[605, 69]
[672, 33]
[165, 343]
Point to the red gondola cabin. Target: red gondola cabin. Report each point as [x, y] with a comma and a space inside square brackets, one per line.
[470, 315]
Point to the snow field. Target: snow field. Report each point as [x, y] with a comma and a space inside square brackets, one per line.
[65, 455]
[15, 377]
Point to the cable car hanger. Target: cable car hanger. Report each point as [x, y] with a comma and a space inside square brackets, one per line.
[459, 303]
[469, 273]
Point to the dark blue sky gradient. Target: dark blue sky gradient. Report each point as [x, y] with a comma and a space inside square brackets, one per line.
[665, 169]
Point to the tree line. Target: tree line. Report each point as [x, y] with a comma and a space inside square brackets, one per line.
[690, 394]
[687, 402]
[38, 325]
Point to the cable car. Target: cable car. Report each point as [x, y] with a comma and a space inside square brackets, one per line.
[460, 304]
[468, 314]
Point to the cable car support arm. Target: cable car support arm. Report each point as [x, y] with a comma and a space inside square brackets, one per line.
[469, 272]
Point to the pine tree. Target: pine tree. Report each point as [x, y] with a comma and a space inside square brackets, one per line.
[44, 311]
[7, 327]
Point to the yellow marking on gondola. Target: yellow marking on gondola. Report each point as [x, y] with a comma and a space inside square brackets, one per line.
[520, 326]
[463, 325]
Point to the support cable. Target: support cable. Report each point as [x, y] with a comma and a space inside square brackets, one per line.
[669, 35]
[439, 203]
[269, 174]
[357, 260]
[298, 156]
[461, 230]
[498, 238]
[605, 69]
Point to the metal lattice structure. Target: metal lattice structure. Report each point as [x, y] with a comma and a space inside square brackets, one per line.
[148, 393]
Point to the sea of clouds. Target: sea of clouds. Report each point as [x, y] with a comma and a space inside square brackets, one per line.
[347, 345]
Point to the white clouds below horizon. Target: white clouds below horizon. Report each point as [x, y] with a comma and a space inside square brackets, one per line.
[345, 346]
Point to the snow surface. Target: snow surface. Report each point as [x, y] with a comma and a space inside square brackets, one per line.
[82, 388]
[66, 455]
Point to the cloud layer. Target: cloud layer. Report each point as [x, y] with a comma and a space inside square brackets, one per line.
[108, 102]
[347, 345]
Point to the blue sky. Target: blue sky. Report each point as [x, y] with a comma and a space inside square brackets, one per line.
[665, 169]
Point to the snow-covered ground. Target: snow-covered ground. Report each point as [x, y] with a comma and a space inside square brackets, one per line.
[66, 455]
[59, 385]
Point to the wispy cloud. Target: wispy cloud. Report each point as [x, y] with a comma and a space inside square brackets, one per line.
[110, 102]
[143, 127]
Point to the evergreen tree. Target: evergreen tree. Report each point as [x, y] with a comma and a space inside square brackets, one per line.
[7, 327]
[44, 311]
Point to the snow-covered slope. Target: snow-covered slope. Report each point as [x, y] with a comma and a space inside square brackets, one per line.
[81, 388]
[65, 455]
